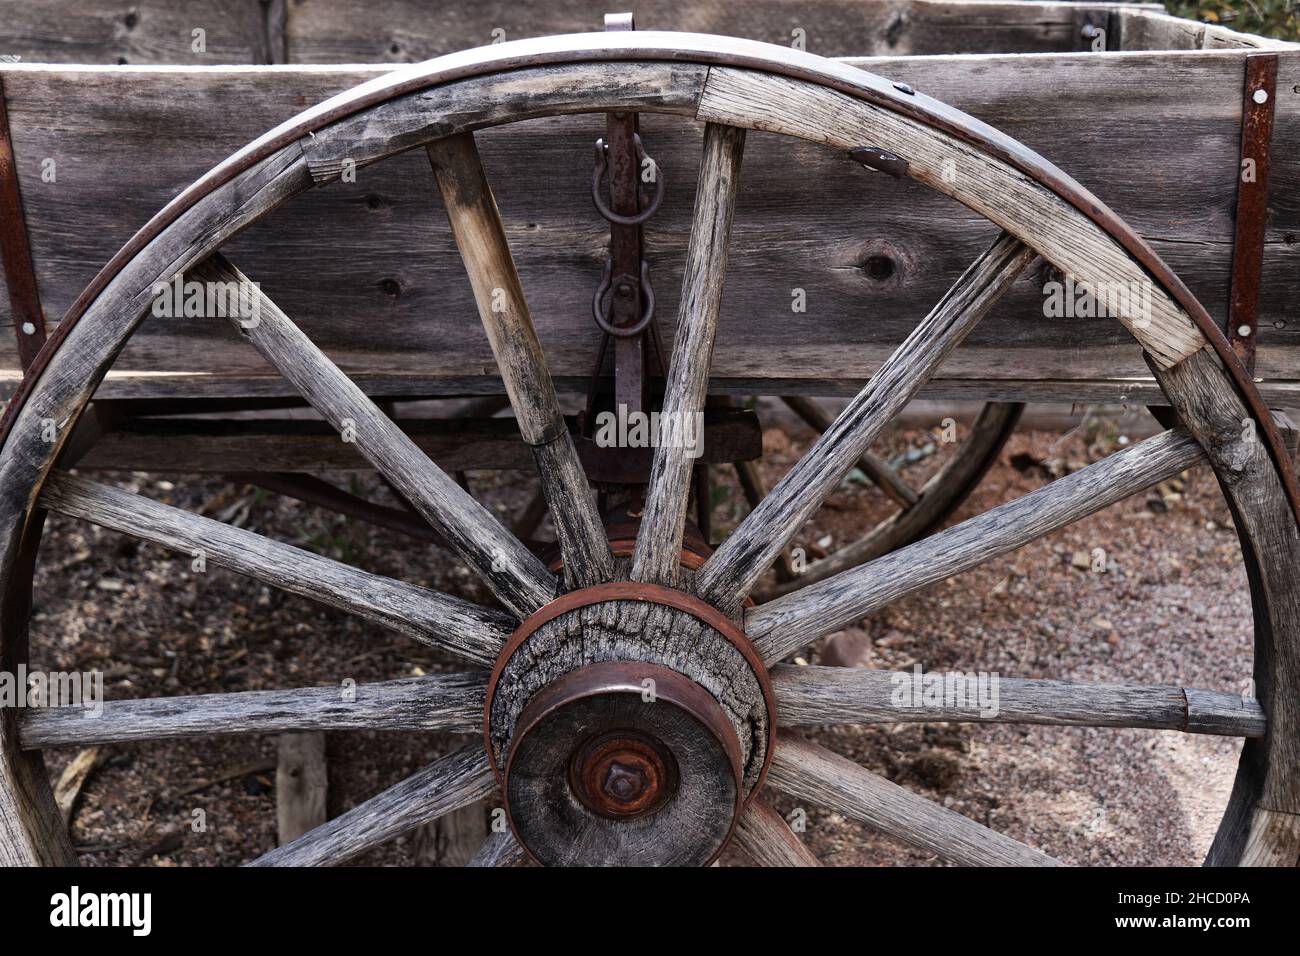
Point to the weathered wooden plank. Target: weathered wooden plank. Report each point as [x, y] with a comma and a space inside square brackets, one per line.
[391, 31]
[844, 695]
[452, 703]
[301, 781]
[1029, 211]
[811, 772]
[503, 309]
[444, 785]
[1156, 30]
[405, 31]
[786, 624]
[207, 446]
[152, 31]
[767, 839]
[793, 231]
[1126, 391]
[466, 630]
[516, 576]
[658, 546]
[730, 573]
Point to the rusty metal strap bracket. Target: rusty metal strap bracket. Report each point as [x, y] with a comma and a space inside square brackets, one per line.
[16, 251]
[1258, 97]
[20, 275]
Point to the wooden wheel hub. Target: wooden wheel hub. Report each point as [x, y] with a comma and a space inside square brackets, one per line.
[629, 724]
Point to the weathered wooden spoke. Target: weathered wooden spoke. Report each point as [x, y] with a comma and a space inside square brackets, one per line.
[786, 624]
[809, 772]
[729, 575]
[658, 546]
[755, 490]
[481, 238]
[452, 703]
[445, 785]
[846, 695]
[515, 575]
[768, 840]
[456, 626]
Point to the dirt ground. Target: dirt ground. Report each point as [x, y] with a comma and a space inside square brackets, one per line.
[1172, 606]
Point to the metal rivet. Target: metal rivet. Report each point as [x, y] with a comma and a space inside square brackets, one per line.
[1243, 331]
[904, 88]
[29, 329]
[1260, 96]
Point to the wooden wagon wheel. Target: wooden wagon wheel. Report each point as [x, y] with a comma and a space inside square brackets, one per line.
[630, 712]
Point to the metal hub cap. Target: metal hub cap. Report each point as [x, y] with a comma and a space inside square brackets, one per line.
[623, 774]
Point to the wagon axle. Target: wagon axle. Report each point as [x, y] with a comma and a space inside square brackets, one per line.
[623, 773]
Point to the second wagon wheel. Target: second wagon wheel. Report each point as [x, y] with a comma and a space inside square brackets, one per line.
[916, 511]
[627, 711]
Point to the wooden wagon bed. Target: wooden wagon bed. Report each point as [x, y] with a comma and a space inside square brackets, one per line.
[1153, 127]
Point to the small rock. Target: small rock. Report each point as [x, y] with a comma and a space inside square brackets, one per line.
[109, 584]
[848, 648]
[1102, 624]
[1081, 560]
